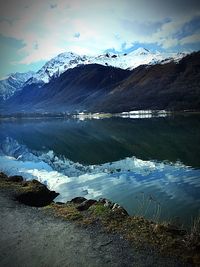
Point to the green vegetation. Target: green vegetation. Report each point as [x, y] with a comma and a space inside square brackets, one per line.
[100, 210]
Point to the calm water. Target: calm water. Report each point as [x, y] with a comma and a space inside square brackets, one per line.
[160, 178]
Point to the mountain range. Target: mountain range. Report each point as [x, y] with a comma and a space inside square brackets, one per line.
[110, 83]
[64, 61]
[14, 82]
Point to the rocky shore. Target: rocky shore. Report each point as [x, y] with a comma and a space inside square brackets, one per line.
[84, 232]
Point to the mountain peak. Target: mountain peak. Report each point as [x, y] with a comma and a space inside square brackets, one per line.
[140, 51]
[66, 54]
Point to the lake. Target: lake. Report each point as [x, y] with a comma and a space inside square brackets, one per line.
[150, 166]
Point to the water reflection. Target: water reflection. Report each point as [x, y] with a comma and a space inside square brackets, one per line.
[131, 156]
[100, 141]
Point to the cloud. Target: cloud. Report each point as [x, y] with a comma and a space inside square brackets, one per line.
[145, 28]
[47, 28]
[189, 28]
[194, 38]
[42, 51]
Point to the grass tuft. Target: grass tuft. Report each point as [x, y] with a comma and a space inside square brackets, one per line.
[100, 210]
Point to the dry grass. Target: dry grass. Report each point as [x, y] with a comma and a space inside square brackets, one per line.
[192, 239]
[66, 211]
[148, 206]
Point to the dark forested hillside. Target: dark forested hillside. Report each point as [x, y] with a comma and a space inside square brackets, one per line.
[77, 88]
[173, 86]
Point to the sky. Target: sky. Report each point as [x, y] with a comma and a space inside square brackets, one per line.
[34, 31]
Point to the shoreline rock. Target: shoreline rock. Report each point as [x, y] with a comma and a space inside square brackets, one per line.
[31, 193]
[85, 205]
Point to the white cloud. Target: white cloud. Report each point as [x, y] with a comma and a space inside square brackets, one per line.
[194, 38]
[100, 25]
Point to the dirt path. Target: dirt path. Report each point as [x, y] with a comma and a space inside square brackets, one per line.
[29, 237]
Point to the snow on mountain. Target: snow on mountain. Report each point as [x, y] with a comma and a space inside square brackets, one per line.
[140, 52]
[13, 83]
[64, 61]
[176, 57]
[131, 60]
[140, 56]
[57, 65]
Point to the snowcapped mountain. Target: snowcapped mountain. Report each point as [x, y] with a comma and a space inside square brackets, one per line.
[13, 83]
[64, 61]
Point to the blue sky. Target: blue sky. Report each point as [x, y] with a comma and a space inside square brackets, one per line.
[33, 31]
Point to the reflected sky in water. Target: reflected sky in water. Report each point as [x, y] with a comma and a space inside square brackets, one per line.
[162, 167]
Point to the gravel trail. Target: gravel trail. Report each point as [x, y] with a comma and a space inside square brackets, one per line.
[31, 238]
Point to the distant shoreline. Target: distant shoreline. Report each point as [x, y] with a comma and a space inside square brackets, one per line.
[98, 115]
